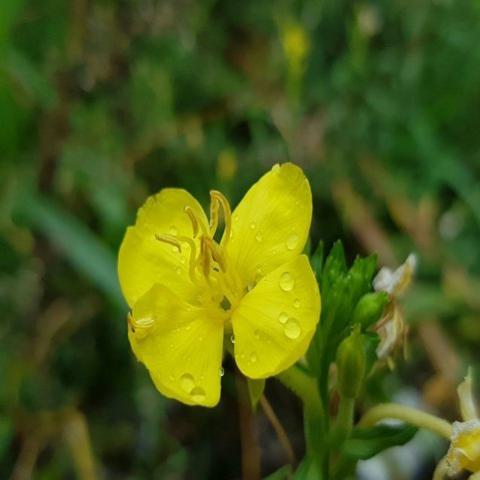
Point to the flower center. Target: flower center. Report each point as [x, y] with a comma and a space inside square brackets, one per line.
[209, 267]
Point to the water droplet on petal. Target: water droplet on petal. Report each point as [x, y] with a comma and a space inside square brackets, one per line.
[172, 230]
[292, 241]
[296, 303]
[258, 237]
[287, 282]
[232, 338]
[198, 394]
[292, 329]
[178, 271]
[253, 225]
[222, 371]
[187, 382]
[235, 218]
[282, 318]
[175, 249]
[253, 357]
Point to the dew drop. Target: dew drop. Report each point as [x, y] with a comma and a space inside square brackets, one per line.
[235, 218]
[232, 338]
[257, 334]
[292, 241]
[296, 303]
[253, 225]
[222, 371]
[198, 394]
[258, 237]
[178, 271]
[292, 329]
[175, 249]
[187, 382]
[287, 282]
[172, 230]
[253, 357]
[282, 318]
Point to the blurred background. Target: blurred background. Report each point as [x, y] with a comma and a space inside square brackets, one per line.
[104, 102]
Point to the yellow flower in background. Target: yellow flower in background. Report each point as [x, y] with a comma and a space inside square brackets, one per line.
[463, 456]
[464, 451]
[187, 289]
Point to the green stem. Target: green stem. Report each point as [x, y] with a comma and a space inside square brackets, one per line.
[344, 424]
[305, 387]
[409, 415]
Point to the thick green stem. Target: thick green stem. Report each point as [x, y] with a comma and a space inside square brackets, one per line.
[344, 424]
[305, 387]
[409, 415]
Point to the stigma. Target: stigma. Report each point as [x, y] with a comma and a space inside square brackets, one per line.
[209, 267]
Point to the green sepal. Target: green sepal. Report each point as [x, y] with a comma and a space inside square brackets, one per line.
[317, 260]
[365, 443]
[255, 391]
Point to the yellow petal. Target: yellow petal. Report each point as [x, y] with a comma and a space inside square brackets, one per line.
[274, 322]
[271, 223]
[143, 260]
[181, 346]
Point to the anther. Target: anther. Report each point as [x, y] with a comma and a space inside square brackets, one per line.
[193, 220]
[171, 240]
[218, 199]
[197, 224]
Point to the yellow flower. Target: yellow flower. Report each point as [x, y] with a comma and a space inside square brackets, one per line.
[187, 289]
[464, 451]
[463, 456]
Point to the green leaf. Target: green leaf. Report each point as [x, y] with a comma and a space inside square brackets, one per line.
[281, 474]
[74, 240]
[255, 391]
[365, 443]
[317, 260]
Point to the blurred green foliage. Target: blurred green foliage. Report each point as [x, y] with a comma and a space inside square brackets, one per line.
[103, 103]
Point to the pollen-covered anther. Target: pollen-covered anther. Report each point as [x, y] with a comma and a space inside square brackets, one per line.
[177, 242]
[217, 199]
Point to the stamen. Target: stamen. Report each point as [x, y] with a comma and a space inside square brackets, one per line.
[193, 219]
[177, 242]
[196, 224]
[170, 239]
[213, 214]
[216, 253]
[219, 199]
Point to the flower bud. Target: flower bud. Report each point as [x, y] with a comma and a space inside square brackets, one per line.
[369, 309]
[351, 364]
